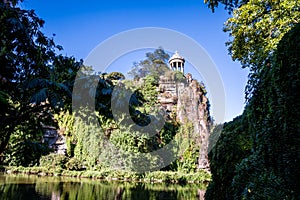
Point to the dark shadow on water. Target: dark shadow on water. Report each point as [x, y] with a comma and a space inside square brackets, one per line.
[20, 191]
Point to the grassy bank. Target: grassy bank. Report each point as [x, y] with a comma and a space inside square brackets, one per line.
[116, 175]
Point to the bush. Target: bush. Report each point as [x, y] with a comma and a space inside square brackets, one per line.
[73, 164]
[24, 147]
[53, 161]
[177, 177]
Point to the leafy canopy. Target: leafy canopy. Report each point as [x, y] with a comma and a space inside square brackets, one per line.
[257, 27]
[266, 40]
[230, 5]
[34, 80]
[156, 64]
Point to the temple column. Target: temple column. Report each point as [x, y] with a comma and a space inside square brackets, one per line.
[177, 62]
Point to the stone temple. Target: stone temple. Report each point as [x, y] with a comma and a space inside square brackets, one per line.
[177, 62]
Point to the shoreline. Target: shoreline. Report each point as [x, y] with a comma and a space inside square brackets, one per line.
[200, 177]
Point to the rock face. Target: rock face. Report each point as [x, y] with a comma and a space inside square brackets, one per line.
[169, 91]
[186, 101]
[54, 140]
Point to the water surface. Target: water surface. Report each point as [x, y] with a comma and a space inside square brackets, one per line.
[29, 187]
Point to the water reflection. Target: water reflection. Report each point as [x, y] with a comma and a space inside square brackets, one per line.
[62, 188]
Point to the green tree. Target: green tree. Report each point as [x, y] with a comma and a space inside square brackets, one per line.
[274, 114]
[256, 28]
[24, 147]
[230, 5]
[155, 64]
[115, 76]
[36, 81]
[148, 90]
[266, 40]
[233, 145]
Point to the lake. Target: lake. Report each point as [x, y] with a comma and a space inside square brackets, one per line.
[31, 187]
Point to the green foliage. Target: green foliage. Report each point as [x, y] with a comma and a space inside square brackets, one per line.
[155, 64]
[35, 90]
[6, 108]
[148, 90]
[254, 181]
[176, 76]
[132, 148]
[230, 5]
[215, 132]
[74, 164]
[188, 161]
[91, 142]
[33, 77]
[93, 92]
[275, 114]
[117, 175]
[65, 121]
[189, 146]
[257, 27]
[115, 76]
[233, 145]
[270, 128]
[265, 39]
[53, 161]
[89, 139]
[177, 177]
[4, 103]
[24, 147]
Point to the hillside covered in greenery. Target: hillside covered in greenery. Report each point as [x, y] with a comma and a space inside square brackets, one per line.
[105, 121]
[257, 155]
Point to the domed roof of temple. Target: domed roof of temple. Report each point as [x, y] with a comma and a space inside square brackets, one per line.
[176, 56]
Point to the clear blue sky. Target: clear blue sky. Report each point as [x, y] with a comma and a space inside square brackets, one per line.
[81, 25]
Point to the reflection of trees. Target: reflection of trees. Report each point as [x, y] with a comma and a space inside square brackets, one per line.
[63, 188]
[19, 191]
[201, 194]
[55, 196]
[119, 193]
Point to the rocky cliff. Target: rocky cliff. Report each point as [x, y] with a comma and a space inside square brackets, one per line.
[186, 100]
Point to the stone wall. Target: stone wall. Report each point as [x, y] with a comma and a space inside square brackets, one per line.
[54, 140]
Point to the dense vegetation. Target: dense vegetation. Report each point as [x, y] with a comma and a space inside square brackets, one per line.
[36, 84]
[257, 155]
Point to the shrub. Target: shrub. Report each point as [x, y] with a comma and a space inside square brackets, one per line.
[24, 147]
[53, 161]
[73, 164]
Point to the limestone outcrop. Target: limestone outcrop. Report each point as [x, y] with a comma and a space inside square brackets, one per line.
[186, 101]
